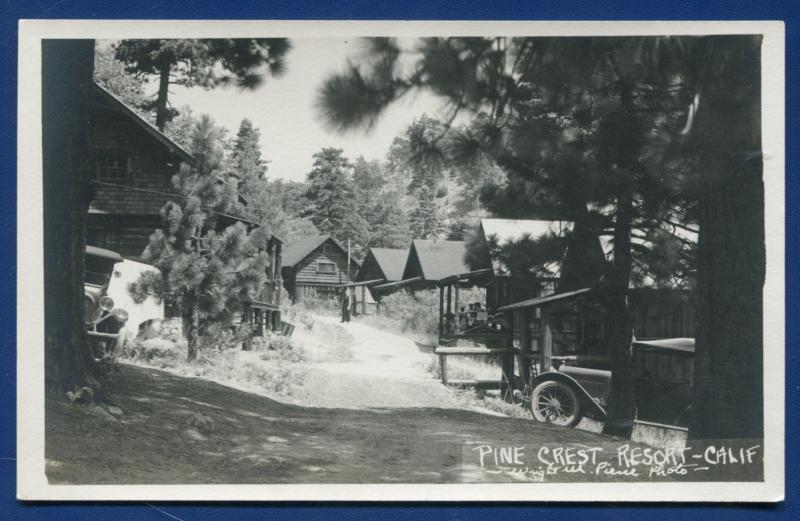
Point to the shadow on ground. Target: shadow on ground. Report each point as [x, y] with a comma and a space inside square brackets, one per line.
[246, 438]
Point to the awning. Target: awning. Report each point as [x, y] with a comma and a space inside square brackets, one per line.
[535, 302]
[452, 279]
[357, 283]
[666, 346]
[397, 284]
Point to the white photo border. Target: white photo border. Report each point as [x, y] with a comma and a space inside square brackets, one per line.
[32, 483]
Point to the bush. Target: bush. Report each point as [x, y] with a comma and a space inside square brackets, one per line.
[277, 347]
[416, 312]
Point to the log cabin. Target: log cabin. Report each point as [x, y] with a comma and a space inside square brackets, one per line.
[315, 268]
[133, 164]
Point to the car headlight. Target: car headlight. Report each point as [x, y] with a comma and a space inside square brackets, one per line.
[106, 303]
[120, 314]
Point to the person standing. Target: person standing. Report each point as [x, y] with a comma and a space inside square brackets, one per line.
[346, 301]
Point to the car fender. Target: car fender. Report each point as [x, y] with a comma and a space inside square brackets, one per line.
[577, 387]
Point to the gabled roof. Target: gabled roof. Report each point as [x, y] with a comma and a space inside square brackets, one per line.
[505, 231]
[436, 259]
[120, 105]
[298, 250]
[391, 261]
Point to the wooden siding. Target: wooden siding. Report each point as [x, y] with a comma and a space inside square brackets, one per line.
[127, 235]
[306, 270]
[662, 313]
[304, 282]
[150, 165]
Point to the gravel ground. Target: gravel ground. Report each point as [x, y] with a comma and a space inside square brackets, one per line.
[375, 369]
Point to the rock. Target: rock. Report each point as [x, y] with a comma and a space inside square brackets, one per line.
[82, 396]
[116, 411]
[101, 412]
[201, 422]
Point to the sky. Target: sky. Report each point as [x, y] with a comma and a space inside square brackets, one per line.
[283, 110]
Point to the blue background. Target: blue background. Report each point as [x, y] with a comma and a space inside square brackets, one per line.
[11, 11]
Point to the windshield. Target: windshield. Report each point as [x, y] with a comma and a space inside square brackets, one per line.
[98, 270]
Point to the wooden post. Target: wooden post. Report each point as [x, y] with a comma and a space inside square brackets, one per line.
[363, 300]
[246, 313]
[507, 375]
[259, 319]
[443, 368]
[449, 312]
[441, 310]
[525, 348]
[547, 345]
[457, 310]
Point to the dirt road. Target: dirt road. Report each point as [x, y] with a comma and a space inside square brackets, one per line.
[375, 369]
[253, 439]
[367, 410]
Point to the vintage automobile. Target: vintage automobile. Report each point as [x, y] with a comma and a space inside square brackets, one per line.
[103, 321]
[565, 368]
[662, 378]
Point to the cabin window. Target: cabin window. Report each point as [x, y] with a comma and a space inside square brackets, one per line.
[326, 267]
[112, 167]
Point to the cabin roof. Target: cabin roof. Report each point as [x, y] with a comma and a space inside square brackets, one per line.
[539, 301]
[298, 250]
[437, 259]
[162, 138]
[667, 346]
[391, 261]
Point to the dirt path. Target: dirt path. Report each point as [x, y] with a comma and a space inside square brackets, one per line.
[252, 439]
[377, 369]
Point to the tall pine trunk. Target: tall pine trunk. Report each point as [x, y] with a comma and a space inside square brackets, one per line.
[728, 389]
[618, 322]
[163, 96]
[67, 69]
[191, 330]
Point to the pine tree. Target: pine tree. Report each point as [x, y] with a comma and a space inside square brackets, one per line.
[204, 272]
[248, 164]
[594, 123]
[425, 219]
[206, 63]
[332, 205]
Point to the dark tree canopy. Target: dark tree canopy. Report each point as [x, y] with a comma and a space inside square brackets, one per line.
[205, 63]
[625, 134]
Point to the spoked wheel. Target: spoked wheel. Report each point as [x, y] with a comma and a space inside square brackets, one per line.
[556, 403]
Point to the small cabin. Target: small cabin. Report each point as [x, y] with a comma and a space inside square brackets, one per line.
[316, 268]
[382, 266]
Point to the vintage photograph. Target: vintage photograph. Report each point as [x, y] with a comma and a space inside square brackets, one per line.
[497, 257]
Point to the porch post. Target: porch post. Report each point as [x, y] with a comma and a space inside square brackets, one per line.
[457, 310]
[441, 309]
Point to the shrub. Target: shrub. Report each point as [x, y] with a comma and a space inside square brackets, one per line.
[417, 312]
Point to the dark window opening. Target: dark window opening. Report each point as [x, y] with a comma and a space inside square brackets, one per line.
[111, 167]
[326, 267]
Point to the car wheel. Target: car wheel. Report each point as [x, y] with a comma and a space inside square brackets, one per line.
[556, 403]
